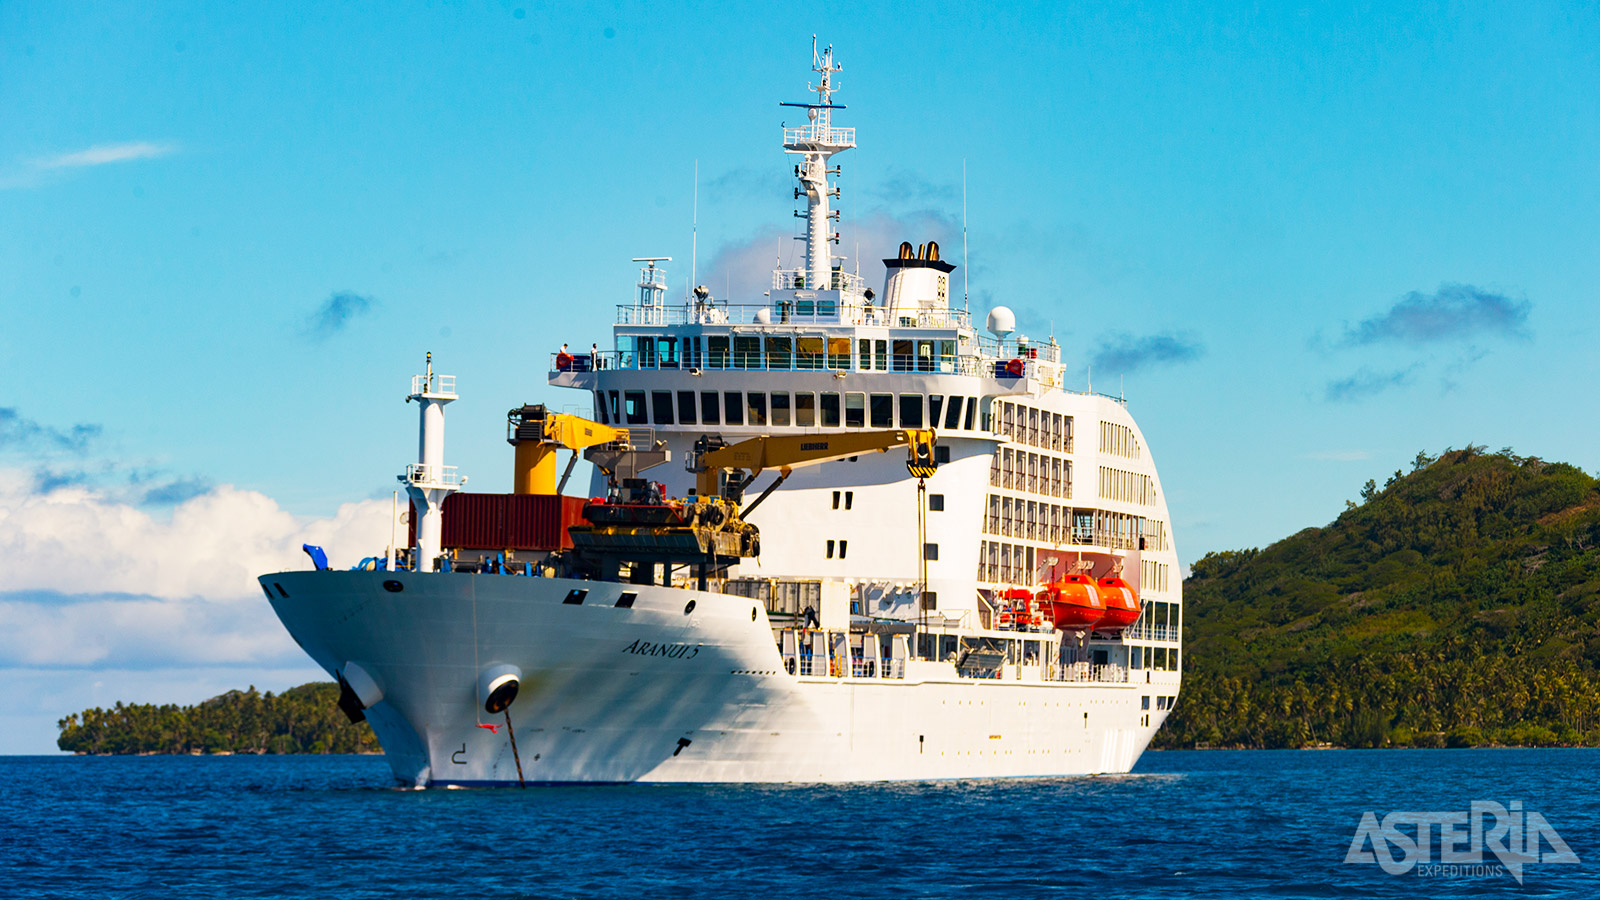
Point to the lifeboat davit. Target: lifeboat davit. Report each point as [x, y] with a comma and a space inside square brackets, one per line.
[1122, 604]
[1074, 603]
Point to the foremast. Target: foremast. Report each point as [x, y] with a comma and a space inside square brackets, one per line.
[815, 143]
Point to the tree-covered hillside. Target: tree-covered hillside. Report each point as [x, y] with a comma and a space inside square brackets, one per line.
[1457, 605]
[305, 719]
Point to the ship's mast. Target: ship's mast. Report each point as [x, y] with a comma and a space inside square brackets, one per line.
[815, 142]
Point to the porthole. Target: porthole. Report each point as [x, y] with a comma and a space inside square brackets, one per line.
[393, 587]
[688, 607]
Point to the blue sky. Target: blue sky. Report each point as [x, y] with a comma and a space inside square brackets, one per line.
[1306, 241]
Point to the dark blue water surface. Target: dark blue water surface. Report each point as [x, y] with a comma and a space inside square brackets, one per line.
[1192, 824]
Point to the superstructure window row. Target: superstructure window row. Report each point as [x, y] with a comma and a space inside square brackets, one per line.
[1119, 440]
[784, 352]
[1033, 426]
[1036, 473]
[1128, 487]
[801, 409]
[1052, 523]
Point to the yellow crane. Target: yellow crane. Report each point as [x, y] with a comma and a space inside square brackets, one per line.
[537, 433]
[711, 458]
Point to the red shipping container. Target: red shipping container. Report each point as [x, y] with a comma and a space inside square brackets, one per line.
[507, 521]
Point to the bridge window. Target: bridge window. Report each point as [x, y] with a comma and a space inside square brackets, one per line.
[647, 352]
[910, 410]
[830, 410]
[838, 353]
[830, 549]
[661, 407]
[746, 352]
[780, 408]
[952, 414]
[844, 547]
[780, 352]
[935, 405]
[667, 352]
[855, 410]
[972, 413]
[880, 355]
[717, 352]
[633, 401]
[732, 408]
[600, 408]
[882, 410]
[709, 413]
[616, 409]
[805, 410]
[808, 353]
[756, 408]
[686, 414]
[903, 355]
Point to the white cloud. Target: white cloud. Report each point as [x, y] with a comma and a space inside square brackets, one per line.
[104, 153]
[75, 540]
[101, 601]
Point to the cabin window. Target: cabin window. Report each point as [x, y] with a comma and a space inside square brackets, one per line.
[838, 353]
[709, 413]
[882, 406]
[575, 597]
[849, 496]
[805, 410]
[600, 407]
[633, 401]
[972, 413]
[626, 598]
[855, 410]
[661, 407]
[941, 454]
[808, 353]
[780, 352]
[616, 409]
[780, 409]
[830, 549]
[836, 495]
[667, 352]
[924, 356]
[830, 410]
[930, 552]
[935, 503]
[732, 408]
[1136, 661]
[910, 410]
[646, 347]
[880, 355]
[717, 352]
[935, 406]
[686, 414]
[844, 547]
[756, 408]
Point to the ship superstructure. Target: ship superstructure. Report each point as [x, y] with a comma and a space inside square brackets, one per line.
[1013, 611]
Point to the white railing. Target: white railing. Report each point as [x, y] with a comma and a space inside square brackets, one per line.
[820, 665]
[419, 474]
[820, 134]
[442, 384]
[1108, 673]
[847, 308]
[1152, 633]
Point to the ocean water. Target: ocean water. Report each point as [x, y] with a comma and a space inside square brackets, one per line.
[1185, 824]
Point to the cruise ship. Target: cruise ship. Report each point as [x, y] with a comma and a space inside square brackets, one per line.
[834, 533]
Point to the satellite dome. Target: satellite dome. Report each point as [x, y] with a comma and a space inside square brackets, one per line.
[763, 316]
[1002, 321]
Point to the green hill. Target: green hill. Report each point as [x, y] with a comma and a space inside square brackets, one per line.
[1455, 606]
[305, 719]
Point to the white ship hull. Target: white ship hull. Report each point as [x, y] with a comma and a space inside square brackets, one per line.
[654, 694]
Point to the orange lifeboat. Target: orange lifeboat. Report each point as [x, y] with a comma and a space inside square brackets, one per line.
[1074, 603]
[1122, 603]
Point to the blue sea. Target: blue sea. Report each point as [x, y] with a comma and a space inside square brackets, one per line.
[1185, 824]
